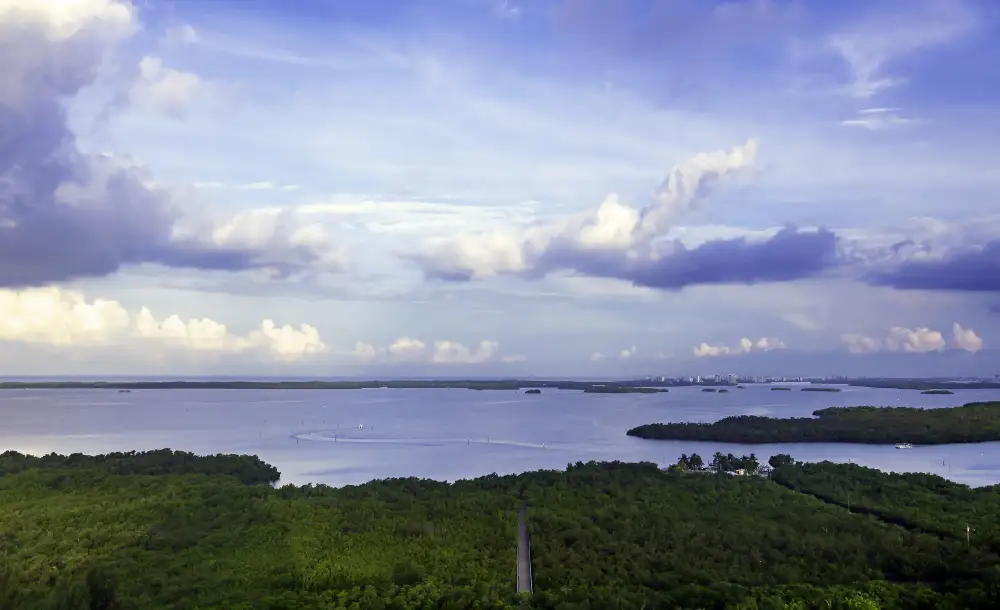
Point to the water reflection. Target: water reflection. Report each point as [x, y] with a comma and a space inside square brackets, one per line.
[314, 435]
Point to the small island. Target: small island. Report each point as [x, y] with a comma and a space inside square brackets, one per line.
[533, 391]
[937, 392]
[709, 390]
[781, 389]
[820, 389]
[723, 391]
[970, 423]
[926, 384]
[621, 389]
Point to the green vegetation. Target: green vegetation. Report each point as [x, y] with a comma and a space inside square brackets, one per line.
[919, 502]
[924, 384]
[937, 392]
[604, 535]
[533, 391]
[719, 463]
[819, 389]
[971, 423]
[249, 469]
[781, 389]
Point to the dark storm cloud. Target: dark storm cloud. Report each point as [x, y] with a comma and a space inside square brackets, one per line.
[789, 255]
[65, 214]
[971, 270]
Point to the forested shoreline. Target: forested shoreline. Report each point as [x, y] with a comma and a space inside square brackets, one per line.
[970, 423]
[604, 535]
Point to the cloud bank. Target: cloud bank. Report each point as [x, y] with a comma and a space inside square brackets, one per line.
[66, 214]
[919, 340]
[745, 346]
[414, 351]
[54, 317]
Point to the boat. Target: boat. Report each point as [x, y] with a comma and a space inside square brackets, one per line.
[904, 446]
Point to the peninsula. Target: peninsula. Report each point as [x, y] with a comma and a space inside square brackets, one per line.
[144, 530]
[971, 423]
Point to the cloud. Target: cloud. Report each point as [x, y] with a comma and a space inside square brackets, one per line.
[966, 338]
[870, 48]
[919, 340]
[963, 268]
[415, 351]
[604, 242]
[745, 346]
[164, 89]
[66, 319]
[878, 119]
[184, 34]
[791, 254]
[627, 353]
[66, 214]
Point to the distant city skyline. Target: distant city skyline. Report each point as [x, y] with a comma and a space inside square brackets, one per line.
[485, 188]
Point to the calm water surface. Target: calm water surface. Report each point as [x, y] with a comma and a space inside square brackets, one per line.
[314, 435]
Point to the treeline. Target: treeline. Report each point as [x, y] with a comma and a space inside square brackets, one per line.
[728, 463]
[249, 469]
[971, 423]
[604, 535]
[924, 384]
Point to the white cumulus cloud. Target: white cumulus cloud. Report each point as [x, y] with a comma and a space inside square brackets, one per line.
[745, 346]
[415, 351]
[55, 317]
[164, 89]
[918, 340]
[613, 228]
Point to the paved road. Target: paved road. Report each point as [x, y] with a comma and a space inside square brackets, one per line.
[523, 552]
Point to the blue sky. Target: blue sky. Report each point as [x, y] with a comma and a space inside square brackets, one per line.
[578, 187]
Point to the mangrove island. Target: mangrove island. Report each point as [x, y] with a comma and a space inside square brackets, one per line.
[971, 423]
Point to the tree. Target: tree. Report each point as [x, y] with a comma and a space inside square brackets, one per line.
[781, 459]
[696, 462]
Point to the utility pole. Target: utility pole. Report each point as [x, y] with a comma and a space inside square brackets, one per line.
[968, 537]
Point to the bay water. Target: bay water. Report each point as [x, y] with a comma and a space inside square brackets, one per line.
[342, 437]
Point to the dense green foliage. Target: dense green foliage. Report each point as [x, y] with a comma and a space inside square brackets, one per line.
[971, 423]
[918, 501]
[719, 463]
[604, 535]
[247, 468]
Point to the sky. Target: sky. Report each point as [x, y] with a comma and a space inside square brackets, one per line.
[499, 187]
